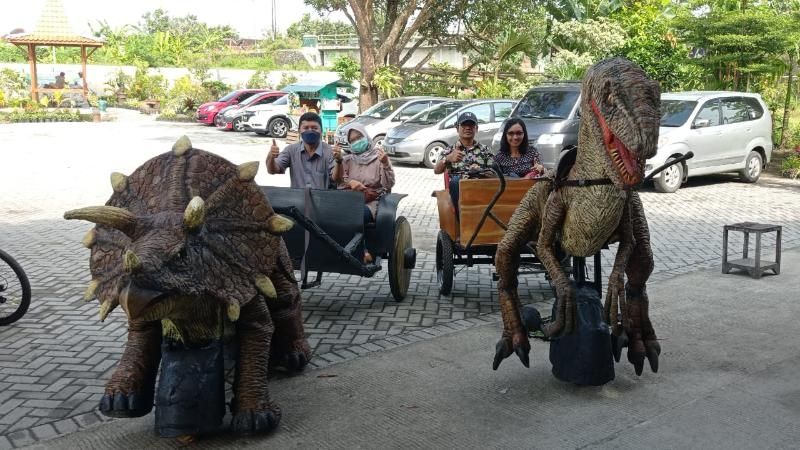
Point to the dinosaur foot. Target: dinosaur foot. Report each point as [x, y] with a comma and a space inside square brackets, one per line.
[256, 421]
[518, 344]
[294, 358]
[618, 343]
[120, 405]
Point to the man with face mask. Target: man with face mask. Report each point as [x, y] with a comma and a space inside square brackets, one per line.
[313, 162]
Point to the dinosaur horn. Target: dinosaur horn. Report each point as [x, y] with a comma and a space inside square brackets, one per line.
[195, 214]
[110, 216]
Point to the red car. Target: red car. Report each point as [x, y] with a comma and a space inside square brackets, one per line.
[233, 117]
[208, 111]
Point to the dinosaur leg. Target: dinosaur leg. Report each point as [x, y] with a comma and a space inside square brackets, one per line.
[615, 298]
[253, 410]
[289, 348]
[130, 391]
[636, 319]
[522, 227]
[552, 220]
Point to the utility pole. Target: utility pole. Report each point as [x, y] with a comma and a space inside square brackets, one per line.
[274, 21]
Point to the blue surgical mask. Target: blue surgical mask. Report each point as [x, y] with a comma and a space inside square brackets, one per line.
[359, 146]
[311, 137]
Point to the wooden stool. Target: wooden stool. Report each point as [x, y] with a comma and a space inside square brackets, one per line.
[754, 266]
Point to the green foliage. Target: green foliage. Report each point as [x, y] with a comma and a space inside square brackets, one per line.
[599, 38]
[740, 46]
[388, 81]
[41, 115]
[186, 95]
[12, 53]
[491, 88]
[146, 86]
[118, 83]
[307, 25]
[790, 166]
[216, 89]
[286, 79]
[265, 62]
[652, 44]
[259, 79]
[13, 85]
[565, 10]
[347, 68]
[566, 65]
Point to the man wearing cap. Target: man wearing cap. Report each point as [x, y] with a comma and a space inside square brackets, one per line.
[464, 155]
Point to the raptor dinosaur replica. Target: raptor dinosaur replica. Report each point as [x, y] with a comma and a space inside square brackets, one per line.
[190, 248]
[588, 205]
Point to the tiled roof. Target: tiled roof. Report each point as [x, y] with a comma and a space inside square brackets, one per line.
[53, 28]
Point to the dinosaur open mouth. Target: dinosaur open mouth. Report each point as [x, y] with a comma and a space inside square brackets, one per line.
[630, 168]
[136, 300]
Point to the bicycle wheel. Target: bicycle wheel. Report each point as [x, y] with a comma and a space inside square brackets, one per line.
[15, 290]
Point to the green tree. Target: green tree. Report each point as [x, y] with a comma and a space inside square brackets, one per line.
[651, 43]
[317, 27]
[347, 68]
[385, 28]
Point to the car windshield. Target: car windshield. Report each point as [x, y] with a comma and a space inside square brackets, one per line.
[435, 113]
[383, 109]
[675, 113]
[547, 104]
[228, 97]
[250, 99]
[282, 101]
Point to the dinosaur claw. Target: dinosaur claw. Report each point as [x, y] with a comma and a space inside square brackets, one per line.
[652, 351]
[120, 402]
[523, 356]
[499, 353]
[617, 344]
[639, 367]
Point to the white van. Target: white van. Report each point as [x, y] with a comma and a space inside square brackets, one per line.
[727, 131]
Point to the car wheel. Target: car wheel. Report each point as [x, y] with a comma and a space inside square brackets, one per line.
[752, 167]
[432, 154]
[670, 179]
[378, 140]
[218, 121]
[238, 125]
[278, 128]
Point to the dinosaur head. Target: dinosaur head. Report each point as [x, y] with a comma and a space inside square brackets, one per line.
[623, 103]
[168, 264]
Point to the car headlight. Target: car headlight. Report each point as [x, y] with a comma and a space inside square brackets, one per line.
[550, 139]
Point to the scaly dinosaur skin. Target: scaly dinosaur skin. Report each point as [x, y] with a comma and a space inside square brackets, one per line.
[190, 248]
[619, 131]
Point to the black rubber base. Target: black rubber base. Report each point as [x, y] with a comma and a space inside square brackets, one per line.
[190, 399]
[583, 357]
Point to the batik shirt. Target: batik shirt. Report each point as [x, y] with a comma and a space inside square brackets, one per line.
[476, 154]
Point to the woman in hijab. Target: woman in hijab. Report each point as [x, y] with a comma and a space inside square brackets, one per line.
[366, 169]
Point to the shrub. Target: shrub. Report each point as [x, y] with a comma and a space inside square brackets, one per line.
[216, 89]
[148, 87]
[259, 79]
[790, 167]
[286, 79]
[186, 95]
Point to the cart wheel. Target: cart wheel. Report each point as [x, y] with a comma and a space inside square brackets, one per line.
[401, 259]
[444, 262]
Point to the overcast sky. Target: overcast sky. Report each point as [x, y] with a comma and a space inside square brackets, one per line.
[249, 17]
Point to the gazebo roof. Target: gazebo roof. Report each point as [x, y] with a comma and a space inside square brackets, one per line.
[53, 29]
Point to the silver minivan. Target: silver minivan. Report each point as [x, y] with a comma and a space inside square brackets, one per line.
[425, 136]
[387, 114]
[727, 131]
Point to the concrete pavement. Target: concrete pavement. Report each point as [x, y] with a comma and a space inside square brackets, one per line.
[728, 379]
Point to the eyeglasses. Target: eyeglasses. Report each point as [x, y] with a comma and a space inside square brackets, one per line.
[516, 133]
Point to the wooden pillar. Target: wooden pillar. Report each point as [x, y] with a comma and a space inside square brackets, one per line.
[34, 81]
[83, 73]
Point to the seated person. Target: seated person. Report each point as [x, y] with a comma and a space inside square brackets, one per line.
[366, 169]
[311, 162]
[515, 158]
[60, 81]
[465, 155]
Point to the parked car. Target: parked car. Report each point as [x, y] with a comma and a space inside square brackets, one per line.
[425, 136]
[207, 112]
[727, 131]
[387, 114]
[234, 116]
[273, 118]
[551, 113]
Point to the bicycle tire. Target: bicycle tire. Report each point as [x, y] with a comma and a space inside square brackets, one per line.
[25, 289]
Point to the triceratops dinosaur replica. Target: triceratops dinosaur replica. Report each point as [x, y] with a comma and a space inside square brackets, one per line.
[585, 207]
[190, 248]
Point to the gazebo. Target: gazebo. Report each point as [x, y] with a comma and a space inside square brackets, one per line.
[54, 30]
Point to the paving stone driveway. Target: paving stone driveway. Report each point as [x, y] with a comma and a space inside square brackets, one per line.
[54, 362]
